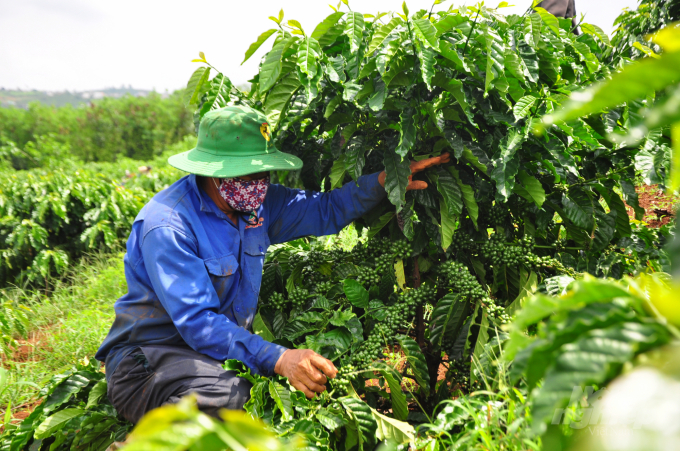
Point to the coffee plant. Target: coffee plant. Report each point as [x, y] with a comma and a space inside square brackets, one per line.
[49, 219]
[444, 268]
[74, 414]
[586, 338]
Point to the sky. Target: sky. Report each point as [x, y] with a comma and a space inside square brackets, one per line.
[82, 45]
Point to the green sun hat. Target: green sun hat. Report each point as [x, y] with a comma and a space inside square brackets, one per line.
[232, 142]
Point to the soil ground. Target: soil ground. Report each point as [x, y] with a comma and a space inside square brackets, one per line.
[659, 207]
[26, 351]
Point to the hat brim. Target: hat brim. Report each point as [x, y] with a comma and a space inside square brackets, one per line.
[198, 162]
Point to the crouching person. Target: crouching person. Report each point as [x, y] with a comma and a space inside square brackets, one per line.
[194, 265]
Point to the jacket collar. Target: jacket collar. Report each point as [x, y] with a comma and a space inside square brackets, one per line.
[205, 202]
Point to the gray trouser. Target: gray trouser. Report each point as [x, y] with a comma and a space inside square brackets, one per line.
[155, 375]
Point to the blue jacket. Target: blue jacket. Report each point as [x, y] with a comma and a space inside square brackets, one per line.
[193, 276]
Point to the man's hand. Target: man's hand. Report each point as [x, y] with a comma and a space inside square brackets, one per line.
[417, 166]
[306, 370]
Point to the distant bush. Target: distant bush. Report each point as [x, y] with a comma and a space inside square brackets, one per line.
[133, 127]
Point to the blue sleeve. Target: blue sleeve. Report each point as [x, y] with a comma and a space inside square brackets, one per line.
[295, 213]
[181, 282]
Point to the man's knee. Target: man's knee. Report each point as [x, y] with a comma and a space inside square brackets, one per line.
[240, 389]
[226, 392]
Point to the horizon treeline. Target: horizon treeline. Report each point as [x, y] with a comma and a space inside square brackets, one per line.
[102, 131]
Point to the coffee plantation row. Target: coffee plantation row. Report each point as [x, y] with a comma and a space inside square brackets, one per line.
[470, 311]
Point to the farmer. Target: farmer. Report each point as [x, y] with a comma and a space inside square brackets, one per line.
[194, 265]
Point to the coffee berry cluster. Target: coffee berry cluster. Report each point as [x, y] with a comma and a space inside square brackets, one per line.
[398, 314]
[366, 275]
[458, 277]
[298, 297]
[401, 249]
[278, 301]
[499, 253]
[343, 379]
[496, 312]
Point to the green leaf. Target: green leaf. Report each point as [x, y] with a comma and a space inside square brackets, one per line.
[495, 60]
[482, 340]
[450, 191]
[416, 360]
[407, 136]
[97, 393]
[332, 35]
[579, 208]
[258, 42]
[534, 360]
[615, 203]
[514, 65]
[397, 67]
[343, 271]
[448, 318]
[530, 60]
[451, 53]
[273, 62]
[605, 230]
[278, 98]
[596, 31]
[386, 52]
[549, 64]
[533, 190]
[340, 318]
[399, 404]
[367, 69]
[468, 197]
[65, 390]
[355, 158]
[338, 171]
[398, 171]
[631, 198]
[381, 33]
[427, 61]
[328, 419]
[674, 178]
[391, 430]
[55, 422]
[309, 53]
[634, 81]
[448, 22]
[584, 293]
[261, 329]
[448, 226]
[548, 19]
[426, 33]
[591, 361]
[377, 100]
[350, 92]
[196, 86]
[332, 105]
[532, 30]
[362, 421]
[506, 165]
[281, 396]
[328, 23]
[523, 106]
[356, 294]
[354, 29]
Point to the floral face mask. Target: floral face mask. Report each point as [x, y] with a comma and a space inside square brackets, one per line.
[243, 195]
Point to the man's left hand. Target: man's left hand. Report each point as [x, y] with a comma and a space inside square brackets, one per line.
[417, 166]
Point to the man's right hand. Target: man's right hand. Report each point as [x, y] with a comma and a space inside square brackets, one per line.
[305, 370]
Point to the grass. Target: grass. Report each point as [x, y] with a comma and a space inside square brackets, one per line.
[60, 329]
